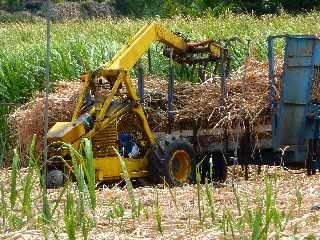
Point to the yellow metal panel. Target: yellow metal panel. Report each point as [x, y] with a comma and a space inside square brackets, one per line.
[99, 175]
[137, 174]
[110, 167]
[66, 132]
[57, 128]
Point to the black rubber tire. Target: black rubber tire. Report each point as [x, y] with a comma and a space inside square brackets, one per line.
[55, 179]
[161, 156]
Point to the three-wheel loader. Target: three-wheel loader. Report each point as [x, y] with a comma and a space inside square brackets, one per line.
[117, 120]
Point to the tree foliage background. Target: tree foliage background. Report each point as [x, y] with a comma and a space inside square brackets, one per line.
[167, 8]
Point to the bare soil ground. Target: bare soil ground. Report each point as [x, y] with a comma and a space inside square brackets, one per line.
[179, 209]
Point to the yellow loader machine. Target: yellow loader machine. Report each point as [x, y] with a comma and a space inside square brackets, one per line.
[115, 119]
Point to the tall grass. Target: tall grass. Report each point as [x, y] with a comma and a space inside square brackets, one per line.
[90, 171]
[84, 172]
[210, 201]
[13, 179]
[262, 219]
[70, 217]
[29, 181]
[158, 214]
[128, 184]
[198, 187]
[20, 201]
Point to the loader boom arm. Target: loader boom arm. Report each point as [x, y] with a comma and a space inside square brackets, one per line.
[183, 51]
[128, 56]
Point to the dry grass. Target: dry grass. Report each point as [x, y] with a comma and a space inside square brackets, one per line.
[246, 96]
[27, 120]
[179, 210]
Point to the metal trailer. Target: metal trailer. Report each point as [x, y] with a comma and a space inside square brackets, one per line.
[295, 118]
[292, 136]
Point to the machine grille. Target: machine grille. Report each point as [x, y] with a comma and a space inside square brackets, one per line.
[104, 140]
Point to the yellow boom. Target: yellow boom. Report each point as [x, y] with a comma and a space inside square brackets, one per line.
[128, 56]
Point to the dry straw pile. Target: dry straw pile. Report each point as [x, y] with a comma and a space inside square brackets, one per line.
[27, 120]
[247, 98]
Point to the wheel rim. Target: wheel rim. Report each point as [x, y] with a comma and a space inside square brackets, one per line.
[180, 166]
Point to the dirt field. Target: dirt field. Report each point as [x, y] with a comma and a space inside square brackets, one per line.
[293, 196]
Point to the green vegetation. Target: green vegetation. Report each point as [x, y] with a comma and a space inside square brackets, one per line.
[158, 214]
[22, 208]
[128, 184]
[82, 45]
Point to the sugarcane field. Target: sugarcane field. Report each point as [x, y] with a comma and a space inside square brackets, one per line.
[125, 119]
